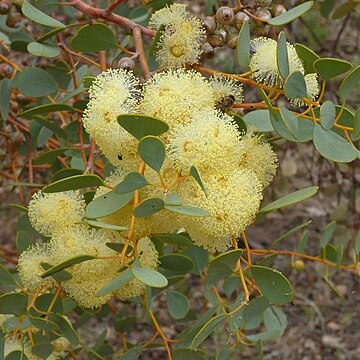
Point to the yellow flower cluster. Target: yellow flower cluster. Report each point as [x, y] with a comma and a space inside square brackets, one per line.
[44, 210]
[232, 199]
[180, 41]
[113, 92]
[207, 142]
[263, 65]
[202, 136]
[75, 239]
[234, 168]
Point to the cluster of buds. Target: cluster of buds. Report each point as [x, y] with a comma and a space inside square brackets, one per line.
[223, 28]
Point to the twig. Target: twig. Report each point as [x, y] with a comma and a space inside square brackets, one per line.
[112, 7]
[140, 51]
[100, 14]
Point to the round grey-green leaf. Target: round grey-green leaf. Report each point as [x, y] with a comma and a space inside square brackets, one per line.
[149, 277]
[149, 207]
[13, 303]
[107, 204]
[332, 146]
[307, 56]
[295, 86]
[176, 262]
[39, 49]
[35, 82]
[349, 83]
[152, 151]
[131, 182]
[177, 304]
[260, 119]
[142, 125]
[328, 68]
[94, 37]
[273, 284]
[327, 114]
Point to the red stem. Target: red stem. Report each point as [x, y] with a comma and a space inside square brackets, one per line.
[103, 14]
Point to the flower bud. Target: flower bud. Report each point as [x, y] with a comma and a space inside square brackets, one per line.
[261, 30]
[209, 24]
[5, 7]
[224, 15]
[264, 2]
[126, 63]
[231, 42]
[240, 18]
[217, 38]
[279, 9]
[262, 14]
[299, 265]
[207, 50]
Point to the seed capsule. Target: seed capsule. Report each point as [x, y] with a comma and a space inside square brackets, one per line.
[262, 14]
[126, 63]
[240, 18]
[217, 38]
[207, 50]
[279, 9]
[5, 7]
[209, 24]
[224, 15]
[231, 43]
[261, 30]
[6, 71]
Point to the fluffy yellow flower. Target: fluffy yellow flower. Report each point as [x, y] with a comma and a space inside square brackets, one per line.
[256, 155]
[226, 92]
[148, 258]
[49, 213]
[174, 96]
[232, 201]
[263, 62]
[209, 142]
[312, 89]
[88, 276]
[168, 15]
[30, 269]
[179, 43]
[113, 93]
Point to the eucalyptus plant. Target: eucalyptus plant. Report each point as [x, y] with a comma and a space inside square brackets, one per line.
[144, 165]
